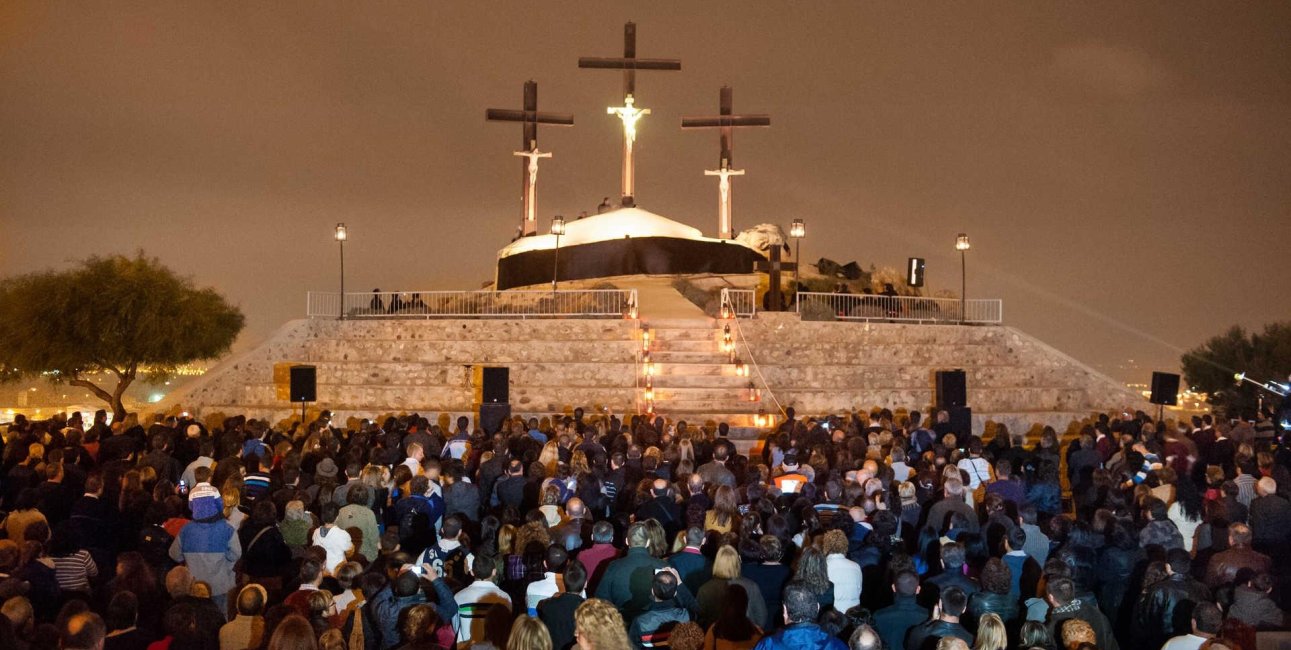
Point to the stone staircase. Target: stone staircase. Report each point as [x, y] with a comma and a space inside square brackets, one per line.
[695, 382]
[371, 368]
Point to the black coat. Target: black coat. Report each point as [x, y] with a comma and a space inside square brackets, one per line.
[1165, 609]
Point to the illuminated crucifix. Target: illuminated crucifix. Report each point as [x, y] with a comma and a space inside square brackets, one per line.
[628, 113]
[726, 123]
[530, 119]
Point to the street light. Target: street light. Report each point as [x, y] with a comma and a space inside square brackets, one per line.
[557, 229]
[341, 236]
[797, 231]
[962, 245]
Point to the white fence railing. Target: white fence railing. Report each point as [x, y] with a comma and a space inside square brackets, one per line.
[590, 303]
[742, 303]
[913, 309]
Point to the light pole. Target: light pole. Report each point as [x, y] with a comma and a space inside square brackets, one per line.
[962, 245]
[797, 231]
[341, 236]
[557, 229]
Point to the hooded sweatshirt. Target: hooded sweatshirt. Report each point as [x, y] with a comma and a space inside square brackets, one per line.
[208, 545]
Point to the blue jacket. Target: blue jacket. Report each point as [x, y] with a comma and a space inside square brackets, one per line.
[801, 636]
[210, 549]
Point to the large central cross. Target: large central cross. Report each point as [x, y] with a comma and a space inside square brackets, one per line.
[726, 123]
[530, 118]
[773, 267]
[628, 113]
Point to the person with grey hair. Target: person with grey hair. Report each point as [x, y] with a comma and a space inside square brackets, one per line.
[1225, 566]
[1270, 519]
[597, 557]
[692, 566]
[627, 580]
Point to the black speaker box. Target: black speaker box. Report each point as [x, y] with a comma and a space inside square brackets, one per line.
[496, 385]
[492, 415]
[1165, 389]
[961, 420]
[915, 267]
[951, 389]
[304, 384]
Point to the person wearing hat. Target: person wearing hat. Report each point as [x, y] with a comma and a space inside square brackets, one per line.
[790, 479]
[209, 545]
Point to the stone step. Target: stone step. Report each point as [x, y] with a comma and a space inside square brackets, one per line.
[704, 334]
[673, 395]
[670, 356]
[495, 352]
[694, 369]
[679, 323]
[712, 344]
[713, 381]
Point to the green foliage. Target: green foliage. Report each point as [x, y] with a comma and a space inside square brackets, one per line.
[116, 315]
[1265, 357]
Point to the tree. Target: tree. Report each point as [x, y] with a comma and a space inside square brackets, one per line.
[1264, 357]
[116, 315]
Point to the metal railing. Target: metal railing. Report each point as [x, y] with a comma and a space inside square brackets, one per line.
[742, 303]
[588, 303]
[911, 309]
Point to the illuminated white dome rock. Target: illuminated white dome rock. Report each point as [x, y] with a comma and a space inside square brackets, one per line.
[615, 224]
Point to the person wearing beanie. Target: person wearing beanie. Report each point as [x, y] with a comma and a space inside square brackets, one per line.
[209, 545]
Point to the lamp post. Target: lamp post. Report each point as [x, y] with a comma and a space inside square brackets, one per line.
[341, 236]
[962, 245]
[797, 231]
[557, 229]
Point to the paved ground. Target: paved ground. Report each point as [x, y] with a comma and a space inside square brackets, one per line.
[657, 299]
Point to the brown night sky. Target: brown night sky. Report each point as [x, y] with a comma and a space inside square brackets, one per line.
[1123, 168]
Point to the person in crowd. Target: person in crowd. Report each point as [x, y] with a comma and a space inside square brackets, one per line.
[894, 621]
[1206, 623]
[663, 520]
[844, 573]
[944, 622]
[801, 607]
[712, 596]
[599, 626]
[627, 581]
[246, 630]
[557, 612]
[654, 626]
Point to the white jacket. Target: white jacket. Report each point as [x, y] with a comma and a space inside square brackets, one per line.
[846, 576]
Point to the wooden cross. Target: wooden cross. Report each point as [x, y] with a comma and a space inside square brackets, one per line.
[725, 122]
[530, 118]
[773, 268]
[629, 113]
[629, 63]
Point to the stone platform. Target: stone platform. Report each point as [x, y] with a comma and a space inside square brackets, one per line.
[375, 367]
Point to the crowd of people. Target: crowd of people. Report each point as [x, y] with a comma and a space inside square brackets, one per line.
[871, 531]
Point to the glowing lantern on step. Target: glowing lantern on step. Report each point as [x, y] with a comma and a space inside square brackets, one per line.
[650, 408]
[754, 395]
[649, 392]
[761, 419]
[632, 312]
[645, 340]
[726, 312]
[728, 344]
[741, 368]
[647, 365]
